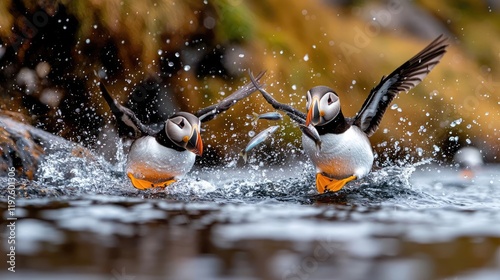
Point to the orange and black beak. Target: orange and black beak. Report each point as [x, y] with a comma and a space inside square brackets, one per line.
[194, 144]
[314, 114]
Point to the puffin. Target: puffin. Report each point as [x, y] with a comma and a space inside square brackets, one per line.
[469, 159]
[346, 153]
[164, 152]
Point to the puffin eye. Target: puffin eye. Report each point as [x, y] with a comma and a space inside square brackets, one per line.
[331, 99]
[181, 123]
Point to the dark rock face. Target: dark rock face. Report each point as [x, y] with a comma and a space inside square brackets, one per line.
[23, 146]
[18, 149]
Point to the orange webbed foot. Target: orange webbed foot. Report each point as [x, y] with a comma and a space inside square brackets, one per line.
[324, 183]
[144, 184]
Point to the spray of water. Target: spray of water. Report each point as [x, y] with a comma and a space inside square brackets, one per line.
[73, 175]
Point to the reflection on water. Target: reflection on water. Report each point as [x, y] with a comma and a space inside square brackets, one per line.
[84, 221]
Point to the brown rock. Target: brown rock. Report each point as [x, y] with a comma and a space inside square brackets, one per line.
[23, 146]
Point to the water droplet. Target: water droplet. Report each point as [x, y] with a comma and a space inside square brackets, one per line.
[294, 87]
[394, 106]
[456, 122]
[209, 22]
[187, 67]
[251, 133]
[306, 57]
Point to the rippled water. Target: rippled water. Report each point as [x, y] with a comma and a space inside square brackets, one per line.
[83, 220]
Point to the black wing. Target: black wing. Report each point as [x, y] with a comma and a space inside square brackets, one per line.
[210, 112]
[128, 123]
[404, 78]
[293, 113]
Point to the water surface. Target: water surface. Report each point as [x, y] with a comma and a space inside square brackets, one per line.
[83, 220]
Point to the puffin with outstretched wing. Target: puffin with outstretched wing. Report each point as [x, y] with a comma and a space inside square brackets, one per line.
[164, 152]
[346, 153]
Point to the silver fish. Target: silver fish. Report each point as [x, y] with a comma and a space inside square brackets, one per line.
[311, 132]
[273, 116]
[258, 139]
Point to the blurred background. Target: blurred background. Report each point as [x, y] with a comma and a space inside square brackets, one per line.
[165, 56]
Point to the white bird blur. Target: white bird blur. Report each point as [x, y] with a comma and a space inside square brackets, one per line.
[469, 159]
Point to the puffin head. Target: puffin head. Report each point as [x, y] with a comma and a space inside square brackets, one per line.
[183, 129]
[323, 105]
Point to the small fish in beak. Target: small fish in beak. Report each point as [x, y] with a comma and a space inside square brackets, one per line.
[311, 132]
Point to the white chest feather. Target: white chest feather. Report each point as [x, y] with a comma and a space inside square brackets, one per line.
[151, 161]
[341, 155]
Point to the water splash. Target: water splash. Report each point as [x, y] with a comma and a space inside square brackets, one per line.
[71, 175]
